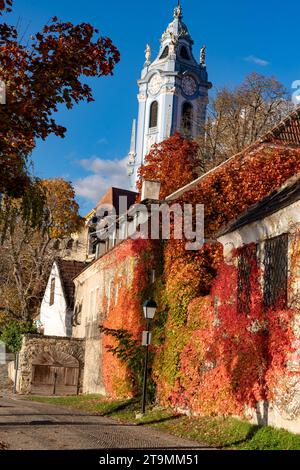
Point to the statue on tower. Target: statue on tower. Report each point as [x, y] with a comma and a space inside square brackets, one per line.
[203, 55]
[178, 11]
[148, 54]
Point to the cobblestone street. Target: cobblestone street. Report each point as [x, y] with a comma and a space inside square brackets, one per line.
[27, 425]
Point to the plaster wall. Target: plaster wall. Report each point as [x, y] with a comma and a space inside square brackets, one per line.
[55, 318]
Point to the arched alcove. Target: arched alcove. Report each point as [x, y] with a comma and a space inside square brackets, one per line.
[55, 372]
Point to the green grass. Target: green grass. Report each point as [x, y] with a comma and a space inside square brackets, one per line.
[225, 433]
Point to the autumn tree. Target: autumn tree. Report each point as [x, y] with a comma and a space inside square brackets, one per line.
[238, 117]
[48, 71]
[28, 251]
[173, 162]
[5, 5]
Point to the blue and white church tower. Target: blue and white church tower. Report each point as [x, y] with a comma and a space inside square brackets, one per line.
[173, 93]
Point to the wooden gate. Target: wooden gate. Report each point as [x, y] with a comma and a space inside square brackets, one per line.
[55, 374]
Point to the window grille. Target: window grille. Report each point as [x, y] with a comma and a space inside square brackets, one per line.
[276, 271]
[247, 255]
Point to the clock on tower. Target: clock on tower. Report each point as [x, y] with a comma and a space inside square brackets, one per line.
[173, 93]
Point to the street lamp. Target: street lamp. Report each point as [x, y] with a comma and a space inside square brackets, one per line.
[149, 308]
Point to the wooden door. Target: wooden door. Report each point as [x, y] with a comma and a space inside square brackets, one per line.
[55, 374]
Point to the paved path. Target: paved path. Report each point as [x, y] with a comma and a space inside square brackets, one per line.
[26, 425]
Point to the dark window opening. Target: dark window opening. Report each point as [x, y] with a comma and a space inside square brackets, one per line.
[153, 114]
[184, 53]
[165, 53]
[276, 272]
[187, 116]
[70, 244]
[247, 259]
[56, 245]
[52, 291]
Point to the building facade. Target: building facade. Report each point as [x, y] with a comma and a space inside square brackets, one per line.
[58, 302]
[173, 93]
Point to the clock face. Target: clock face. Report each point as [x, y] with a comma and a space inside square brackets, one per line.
[189, 85]
[155, 84]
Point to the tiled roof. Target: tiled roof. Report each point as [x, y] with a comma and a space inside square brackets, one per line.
[275, 201]
[287, 132]
[112, 197]
[68, 270]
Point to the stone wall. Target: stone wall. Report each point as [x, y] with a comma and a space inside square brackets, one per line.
[34, 345]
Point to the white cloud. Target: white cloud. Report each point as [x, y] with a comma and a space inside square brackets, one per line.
[257, 60]
[102, 140]
[105, 173]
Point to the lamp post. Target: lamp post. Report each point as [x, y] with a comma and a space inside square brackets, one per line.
[149, 308]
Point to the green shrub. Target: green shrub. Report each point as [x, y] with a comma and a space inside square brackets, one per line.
[13, 332]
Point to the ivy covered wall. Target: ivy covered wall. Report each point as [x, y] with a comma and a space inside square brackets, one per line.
[205, 356]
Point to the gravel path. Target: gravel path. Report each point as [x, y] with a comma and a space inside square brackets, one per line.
[26, 425]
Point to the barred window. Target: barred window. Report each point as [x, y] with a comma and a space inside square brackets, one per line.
[276, 271]
[247, 258]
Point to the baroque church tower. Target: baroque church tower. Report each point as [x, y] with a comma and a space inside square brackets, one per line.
[173, 93]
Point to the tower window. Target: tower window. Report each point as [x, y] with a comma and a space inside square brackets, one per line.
[165, 53]
[70, 244]
[187, 116]
[153, 114]
[184, 53]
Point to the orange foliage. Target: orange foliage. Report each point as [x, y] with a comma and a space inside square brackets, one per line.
[174, 163]
[133, 261]
[208, 357]
[223, 365]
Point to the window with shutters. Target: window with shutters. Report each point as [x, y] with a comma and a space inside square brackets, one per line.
[247, 258]
[276, 272]
[153, 114]
[52, 291]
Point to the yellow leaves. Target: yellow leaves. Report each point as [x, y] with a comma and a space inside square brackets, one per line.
[62, 207]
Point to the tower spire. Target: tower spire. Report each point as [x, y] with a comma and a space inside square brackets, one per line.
[132, 152]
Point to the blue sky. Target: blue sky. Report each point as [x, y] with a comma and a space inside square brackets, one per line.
[241, 36]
